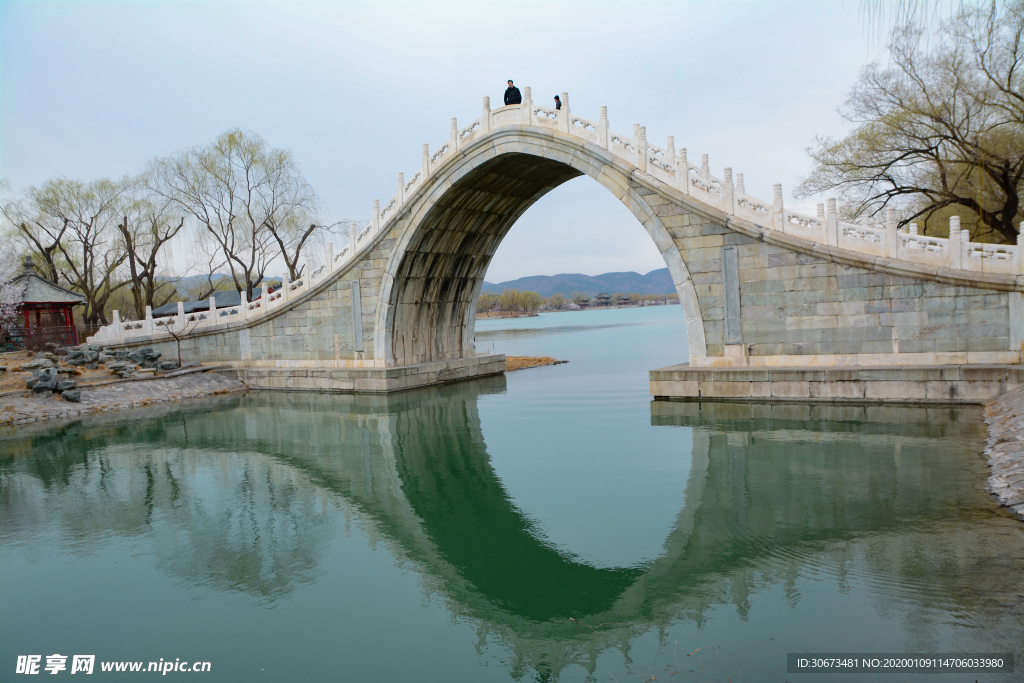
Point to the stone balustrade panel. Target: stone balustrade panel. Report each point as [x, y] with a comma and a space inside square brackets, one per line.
[807, 227]
[582, 128]
[862, 238]
[991, 258]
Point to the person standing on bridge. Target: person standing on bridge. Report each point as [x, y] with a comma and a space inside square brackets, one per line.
[558, 102]
[512, 94]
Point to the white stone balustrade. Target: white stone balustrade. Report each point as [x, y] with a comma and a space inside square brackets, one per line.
[663, 164]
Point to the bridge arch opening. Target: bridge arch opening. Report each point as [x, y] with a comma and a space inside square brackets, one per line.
[452, 231]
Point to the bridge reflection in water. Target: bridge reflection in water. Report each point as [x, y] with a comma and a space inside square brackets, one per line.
[245, 495]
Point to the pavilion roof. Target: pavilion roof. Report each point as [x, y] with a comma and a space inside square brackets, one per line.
[38, 290]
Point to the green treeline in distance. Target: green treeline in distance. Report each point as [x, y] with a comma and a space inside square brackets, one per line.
[527, 302]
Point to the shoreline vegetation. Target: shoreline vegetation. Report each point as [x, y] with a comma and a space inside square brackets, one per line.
[513, 303]
[496, 315]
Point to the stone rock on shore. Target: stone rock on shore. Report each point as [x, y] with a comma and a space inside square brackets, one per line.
[22, 409]
[1005, 449]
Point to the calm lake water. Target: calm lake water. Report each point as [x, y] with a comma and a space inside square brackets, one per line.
[554, 524]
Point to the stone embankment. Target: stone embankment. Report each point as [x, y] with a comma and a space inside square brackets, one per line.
[24, 407]
[1005, 449]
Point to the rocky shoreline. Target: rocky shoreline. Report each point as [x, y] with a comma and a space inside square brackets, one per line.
[1004, 449]
[26, 407]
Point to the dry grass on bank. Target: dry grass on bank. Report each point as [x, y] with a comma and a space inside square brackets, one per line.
[523, 362]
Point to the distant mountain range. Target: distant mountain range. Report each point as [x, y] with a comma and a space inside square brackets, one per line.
[655, 282]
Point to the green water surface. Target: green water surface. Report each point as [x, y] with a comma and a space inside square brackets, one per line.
[554, 524]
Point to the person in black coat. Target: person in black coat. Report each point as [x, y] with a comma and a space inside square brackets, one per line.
[558, 102]
[512, 95]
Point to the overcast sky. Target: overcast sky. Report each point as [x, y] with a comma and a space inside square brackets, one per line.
[96, 89]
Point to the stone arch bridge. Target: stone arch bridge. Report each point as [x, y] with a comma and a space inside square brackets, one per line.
[777, 304]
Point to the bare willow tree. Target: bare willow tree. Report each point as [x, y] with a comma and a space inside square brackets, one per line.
[149, 223]
[248, 201]
[39, 232]
[880, 15]
[939, 129]
[92, 253]
[70, 226]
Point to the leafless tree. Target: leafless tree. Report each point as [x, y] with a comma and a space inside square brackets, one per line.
[190, 325]
[148, 224]
[249, 201]
[940, 129]
[70, 227]
[36, 229]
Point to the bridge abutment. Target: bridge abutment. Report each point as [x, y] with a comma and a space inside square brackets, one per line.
[950, 384]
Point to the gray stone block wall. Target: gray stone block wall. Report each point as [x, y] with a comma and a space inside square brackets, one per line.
[798, 304]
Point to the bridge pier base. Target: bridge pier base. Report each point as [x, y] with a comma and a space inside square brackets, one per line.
[366, 380]
[948, 384]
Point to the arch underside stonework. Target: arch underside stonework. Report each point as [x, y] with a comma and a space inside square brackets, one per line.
[435, 274]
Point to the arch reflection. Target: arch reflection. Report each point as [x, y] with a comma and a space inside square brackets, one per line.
[244, 494]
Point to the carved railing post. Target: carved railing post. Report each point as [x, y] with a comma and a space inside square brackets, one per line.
[642, 148]
[965, 249]
[243, 300]
[564, 120]
[684, 172]
[640, 140]
[1020, 249]
[181, 316]
[778, 211]
[213, 311]
[400, 193]
[528, 106]
[425, 165]
[602, 128]
[376, 223]
[728, 197]
[148, 328]
[453, 135]
[891, 238]
[670, 152]
[956, 246]
[485, 117]
[831, 222]
[353, 230]
[116, 323]
[912, 229]
[705, 169]
[285, 287]
[330, 257]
